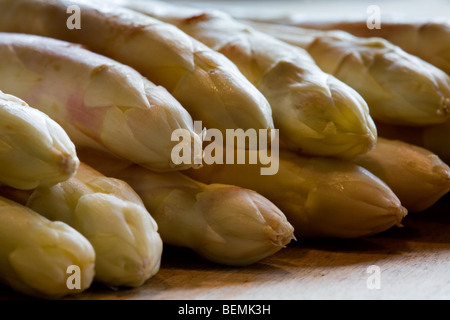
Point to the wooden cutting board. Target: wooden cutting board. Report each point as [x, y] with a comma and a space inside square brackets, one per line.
[414, 263]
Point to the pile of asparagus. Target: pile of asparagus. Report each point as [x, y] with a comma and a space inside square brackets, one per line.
[87, 179]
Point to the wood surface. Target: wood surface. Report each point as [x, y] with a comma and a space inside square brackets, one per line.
[414, 262]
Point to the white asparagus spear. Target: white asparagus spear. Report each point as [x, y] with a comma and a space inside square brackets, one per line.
[222, 223]
[38, 257]
[204, 81]
[34, 149]
[320, 197]
[98, 101]
[428, 39]
[437, 139]
[434, 138]
[316, 113]
[110, 214]
[417, 176]
[398, 87]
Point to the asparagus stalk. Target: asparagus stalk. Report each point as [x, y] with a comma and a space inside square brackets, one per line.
[204, 81]
[34, 149]
[111, 216]
[36, 254]
[316, 113]
[417, 176]
[221, 223]
[437, 139]
[320, 197]
[434, 138]
[99, 102]
[408, 134]
[429, 40]
[398, 87]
